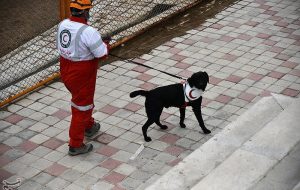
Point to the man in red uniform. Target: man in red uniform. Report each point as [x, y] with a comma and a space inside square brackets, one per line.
[80, 47]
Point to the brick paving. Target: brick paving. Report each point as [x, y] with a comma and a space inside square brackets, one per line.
[250, 50]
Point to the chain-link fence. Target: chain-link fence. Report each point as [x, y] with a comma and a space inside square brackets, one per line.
[36, 62]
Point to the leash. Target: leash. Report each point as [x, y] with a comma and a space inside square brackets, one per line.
[140, 64]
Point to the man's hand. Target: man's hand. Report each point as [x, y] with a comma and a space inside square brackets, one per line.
[106, 39]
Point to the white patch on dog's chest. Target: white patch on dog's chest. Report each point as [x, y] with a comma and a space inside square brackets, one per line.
[191, 93]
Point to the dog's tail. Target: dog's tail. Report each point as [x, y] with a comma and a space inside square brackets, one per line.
[138, 93]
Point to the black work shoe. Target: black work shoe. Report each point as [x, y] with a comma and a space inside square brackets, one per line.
[93, 130]
[85, 148]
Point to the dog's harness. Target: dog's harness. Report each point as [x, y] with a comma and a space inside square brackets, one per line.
[190, 93]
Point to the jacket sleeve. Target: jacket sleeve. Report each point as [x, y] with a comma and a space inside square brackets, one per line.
[95, 44]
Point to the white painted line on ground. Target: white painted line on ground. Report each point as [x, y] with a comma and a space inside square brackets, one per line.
[139, 150]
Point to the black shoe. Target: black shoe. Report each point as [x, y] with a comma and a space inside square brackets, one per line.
[85, 148]
[93, 130]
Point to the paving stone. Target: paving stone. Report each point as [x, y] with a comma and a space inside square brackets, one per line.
[50, 120]
[55, 169]
[14, 108]
[5, 175]
[73, 187]
[4, 124]
[25, 112]
[36, 106]
[12, 153]
[14, 118]
[39, 138]
[40, 151]
[113, 120]
[141, 175]
[49, 110]
[71, 175]
[110, 164]
[41, 164]
[115, 131]
[4, 136]
[155, 134]
[102, 185]
[47, 100]
[65, 105]
[63, 136]
[275, 88]
[13, 141]
[57, 183]
[61, 114]
[4, 160]
[153, 166]
[158, 145]
[214, 122]
[37, 116]
[14, 167]
[25, 102]
[28, 159]
[118, 143]
[130, 183]
[98, 172]
[13, 129]
[85, 181]
[54, 156]
[28, 172]
[39, 127]
[148, 153]
[125, 169]
[47, 90]
[53, 143]
[25, 123]
[176, 150]
[68, 161]
[84, 166]
[51, 131]
[129, 136]
[107, 150]
[30, 185]
[194, 135]
[182, 132]
[42, 178]
[131, 147]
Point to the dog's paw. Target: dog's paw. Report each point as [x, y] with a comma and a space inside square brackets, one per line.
[148, 139]
[164, 127]
[182, 125]
[206, 131]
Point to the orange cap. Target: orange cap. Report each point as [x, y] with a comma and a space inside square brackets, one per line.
[81, 4]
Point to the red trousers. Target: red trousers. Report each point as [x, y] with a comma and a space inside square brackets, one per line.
[80, 79]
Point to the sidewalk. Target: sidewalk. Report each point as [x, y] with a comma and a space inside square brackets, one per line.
[249, 50]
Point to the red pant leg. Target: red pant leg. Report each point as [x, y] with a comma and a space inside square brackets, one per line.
[80, 80]
[79, 121]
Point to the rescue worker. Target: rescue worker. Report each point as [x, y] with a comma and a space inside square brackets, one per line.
[80, 47]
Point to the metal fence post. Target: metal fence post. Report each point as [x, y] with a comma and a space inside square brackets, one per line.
[64, 9]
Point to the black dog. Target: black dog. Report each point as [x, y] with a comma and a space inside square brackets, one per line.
[175, 95]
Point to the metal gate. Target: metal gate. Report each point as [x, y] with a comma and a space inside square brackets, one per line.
[36, 62]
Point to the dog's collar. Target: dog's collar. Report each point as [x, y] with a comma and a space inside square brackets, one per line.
[191, 93]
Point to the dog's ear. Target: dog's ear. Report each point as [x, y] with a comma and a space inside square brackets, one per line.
[206, 77]
[192, 80]
[205, 80]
